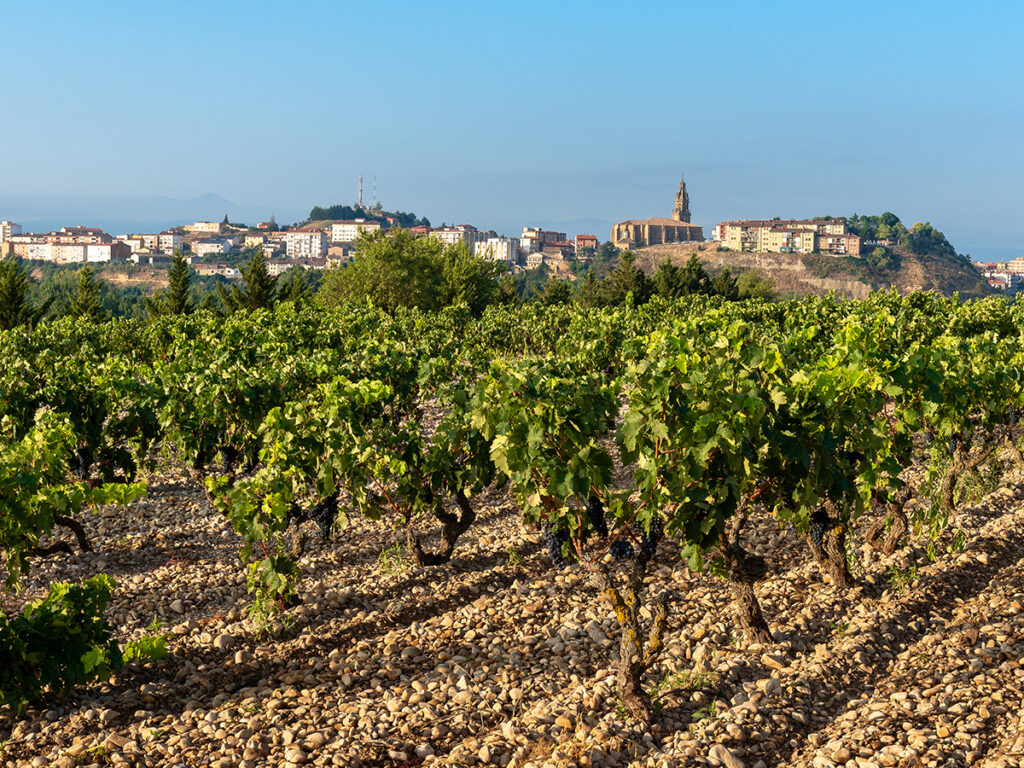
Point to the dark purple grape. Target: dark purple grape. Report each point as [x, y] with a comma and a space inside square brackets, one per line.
[621, 549]
[553, 541]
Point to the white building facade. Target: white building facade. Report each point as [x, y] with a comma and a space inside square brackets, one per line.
[349, 231]
[7, 229]
[500, 249]
[305, 242]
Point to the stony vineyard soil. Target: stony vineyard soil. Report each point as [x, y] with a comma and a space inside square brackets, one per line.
[496, 660]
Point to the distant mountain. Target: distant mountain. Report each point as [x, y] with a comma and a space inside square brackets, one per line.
[119, 215]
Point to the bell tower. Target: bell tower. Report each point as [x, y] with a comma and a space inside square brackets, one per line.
[682, 209]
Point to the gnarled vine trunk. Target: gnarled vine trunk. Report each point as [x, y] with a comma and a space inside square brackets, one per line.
[635, 654]
[453, 526]
[895, 512]
[745, 570]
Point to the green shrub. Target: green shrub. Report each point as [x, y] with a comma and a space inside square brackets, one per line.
[57, 642]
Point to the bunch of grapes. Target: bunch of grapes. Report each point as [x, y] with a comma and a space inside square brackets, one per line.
[649, 539]
[621, 550]
[83, 462]
[323, 513]
[554, 540]
[228, 457]
[820, 524]
[595, 511]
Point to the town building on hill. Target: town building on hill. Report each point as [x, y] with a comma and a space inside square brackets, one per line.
[204, 228]
[461, 233]
[637, 233]
[306, 242]
[788, 236]
[534, 239]
[501, 249]
[7, 229]
[168, 242]
[586, 241]
[349, 231]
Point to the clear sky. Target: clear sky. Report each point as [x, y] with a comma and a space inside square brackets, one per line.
[507, 113]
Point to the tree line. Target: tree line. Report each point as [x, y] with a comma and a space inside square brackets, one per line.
[389, 270]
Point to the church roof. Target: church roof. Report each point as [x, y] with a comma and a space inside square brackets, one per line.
[660, 222]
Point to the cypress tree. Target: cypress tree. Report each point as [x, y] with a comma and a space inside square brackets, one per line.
[177, 298]
[589, 292]
[15, 307]
[295, 288]
[259, 289]
[626, 279]
[668, 280]
[85, 303]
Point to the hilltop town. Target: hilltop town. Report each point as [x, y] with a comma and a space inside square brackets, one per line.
[866, 252]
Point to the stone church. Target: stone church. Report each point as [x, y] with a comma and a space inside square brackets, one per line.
[637, 233]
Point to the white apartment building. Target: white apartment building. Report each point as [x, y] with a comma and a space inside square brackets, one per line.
[209, 247]
[463, 233]
[7, 229]
[305, 242]
[104, 252]
[169, 242]
[72, 253]
[349, 231]
[502, 249]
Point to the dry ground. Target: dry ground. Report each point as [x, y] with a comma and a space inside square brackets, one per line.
[494, 659]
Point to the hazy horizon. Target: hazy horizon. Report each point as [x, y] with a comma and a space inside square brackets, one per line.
[505, 116]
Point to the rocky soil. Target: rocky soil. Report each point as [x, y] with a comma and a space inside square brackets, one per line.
[494, 659]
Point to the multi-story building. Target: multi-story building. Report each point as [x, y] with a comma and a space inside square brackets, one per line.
[534, 238]
[168, 242]
[113, 251]
[82, 234]
[461, 233]
[501, 249]
[306, 242]
[70, 253]
[255, 241]
[134, 243]
[7, 229]
[788, 236]
[349, 231]
[211, 246]
[586, 241]
[204, 228]
[1015, 266]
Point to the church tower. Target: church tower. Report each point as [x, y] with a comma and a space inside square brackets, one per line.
[682, 209]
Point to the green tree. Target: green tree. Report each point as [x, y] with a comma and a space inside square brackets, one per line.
[625, 280]
[469, 280]
[755, 284]
[391, 270]
[556, 292]
[15, 307]
[694, 277]
[259, 289]
[294, 287]
[86, 303]
[588, 290]
[668, 280]
[724, 284]
[177, 299]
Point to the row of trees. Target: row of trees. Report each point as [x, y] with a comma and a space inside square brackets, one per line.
[390, 271]
[258, 290]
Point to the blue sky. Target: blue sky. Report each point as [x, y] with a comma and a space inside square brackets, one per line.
[504, 114]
